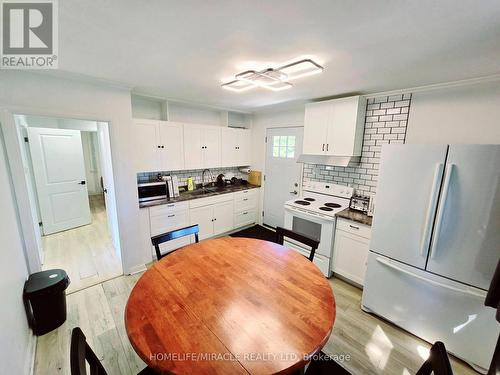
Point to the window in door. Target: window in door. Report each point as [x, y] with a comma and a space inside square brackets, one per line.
[284, 146]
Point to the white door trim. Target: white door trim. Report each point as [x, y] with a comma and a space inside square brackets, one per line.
[12, 144]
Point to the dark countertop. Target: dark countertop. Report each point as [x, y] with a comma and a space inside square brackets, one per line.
[356, 216]
[188, 195]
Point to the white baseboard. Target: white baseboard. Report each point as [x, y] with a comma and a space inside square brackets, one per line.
[30, 364]
[136, 269]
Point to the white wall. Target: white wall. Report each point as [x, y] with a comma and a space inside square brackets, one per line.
[41, 94]
[16, 340]
[464, 114]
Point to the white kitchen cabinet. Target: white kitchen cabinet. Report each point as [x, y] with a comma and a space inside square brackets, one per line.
[334, 127]
[202, 146]
[223, 217]
[245, 207]
[214, 215]
[203, 216]
[316, 123]
[146, 142]
[235, 146]
[350, 252]
[172, 146]
[159, 145]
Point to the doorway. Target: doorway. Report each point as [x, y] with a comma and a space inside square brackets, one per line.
[283, 173]
[68, 170]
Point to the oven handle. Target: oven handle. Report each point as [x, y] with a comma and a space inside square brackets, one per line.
[306, 214]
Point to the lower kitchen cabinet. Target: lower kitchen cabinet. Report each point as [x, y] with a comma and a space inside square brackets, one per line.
[223, 217]
[350, 252]
[214, 215]
[203, 216]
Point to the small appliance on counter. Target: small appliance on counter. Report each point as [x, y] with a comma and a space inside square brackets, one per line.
[151, 191]
[255, 178]
[172, 186]
[221, 181]
[359, 203]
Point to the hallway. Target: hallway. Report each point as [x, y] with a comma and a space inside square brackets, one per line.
[86, 253]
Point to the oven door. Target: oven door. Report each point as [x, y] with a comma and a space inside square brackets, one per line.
[320, 229]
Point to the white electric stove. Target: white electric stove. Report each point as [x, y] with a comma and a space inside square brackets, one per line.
[313, 214]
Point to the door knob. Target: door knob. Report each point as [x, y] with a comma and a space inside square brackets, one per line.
[294, 192]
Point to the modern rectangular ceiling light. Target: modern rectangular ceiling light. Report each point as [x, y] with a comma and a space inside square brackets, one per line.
[238, 86]
[275, 79]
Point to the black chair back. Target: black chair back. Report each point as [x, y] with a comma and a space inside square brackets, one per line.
[281, 233]
[81, 353]
[438, 362]
[169, 236]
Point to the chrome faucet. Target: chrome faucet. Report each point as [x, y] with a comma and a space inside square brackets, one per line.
[203, 177]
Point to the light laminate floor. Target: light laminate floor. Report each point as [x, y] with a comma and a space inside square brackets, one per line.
[375, 347]
[86, 253]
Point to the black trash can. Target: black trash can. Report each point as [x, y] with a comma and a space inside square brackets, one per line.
[45, 300]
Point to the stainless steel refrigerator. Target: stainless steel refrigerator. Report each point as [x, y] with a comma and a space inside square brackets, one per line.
[435, 244]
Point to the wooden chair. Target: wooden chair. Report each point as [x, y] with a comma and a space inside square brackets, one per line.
[437, 364]
[169, 236]
[281, 233]
[81, 353]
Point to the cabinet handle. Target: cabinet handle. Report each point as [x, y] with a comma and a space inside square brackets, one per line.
[245, 199]
[244, 213]
[170, 205]
[159, 146]
[353, 226]
[170, 215]
[327, 147]
[323, 148]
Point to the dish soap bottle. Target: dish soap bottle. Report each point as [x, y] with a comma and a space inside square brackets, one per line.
[190, 184]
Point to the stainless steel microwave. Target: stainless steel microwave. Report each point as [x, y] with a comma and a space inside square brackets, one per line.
[151, 191]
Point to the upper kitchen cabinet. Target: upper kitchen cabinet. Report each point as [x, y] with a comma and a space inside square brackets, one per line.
[146, 140]
[159, 145]
[334, 128]
[235, 147]
[202, 146]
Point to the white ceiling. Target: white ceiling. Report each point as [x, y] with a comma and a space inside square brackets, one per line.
[183, 49]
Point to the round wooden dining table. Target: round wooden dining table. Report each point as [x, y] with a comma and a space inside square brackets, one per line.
[230, 306]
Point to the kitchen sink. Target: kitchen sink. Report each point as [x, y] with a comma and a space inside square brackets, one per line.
[205, 191]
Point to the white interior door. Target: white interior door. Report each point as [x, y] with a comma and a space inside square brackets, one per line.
[108, 183]
[59, 170]
[466, 234]
[283, 173]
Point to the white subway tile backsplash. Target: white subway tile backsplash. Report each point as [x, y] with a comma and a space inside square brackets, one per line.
[385, 122]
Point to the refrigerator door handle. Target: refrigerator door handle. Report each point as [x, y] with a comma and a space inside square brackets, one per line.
[436, 283]
[436, 182]
[440, 212]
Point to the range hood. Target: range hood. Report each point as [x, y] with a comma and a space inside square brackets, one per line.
[339, 161]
